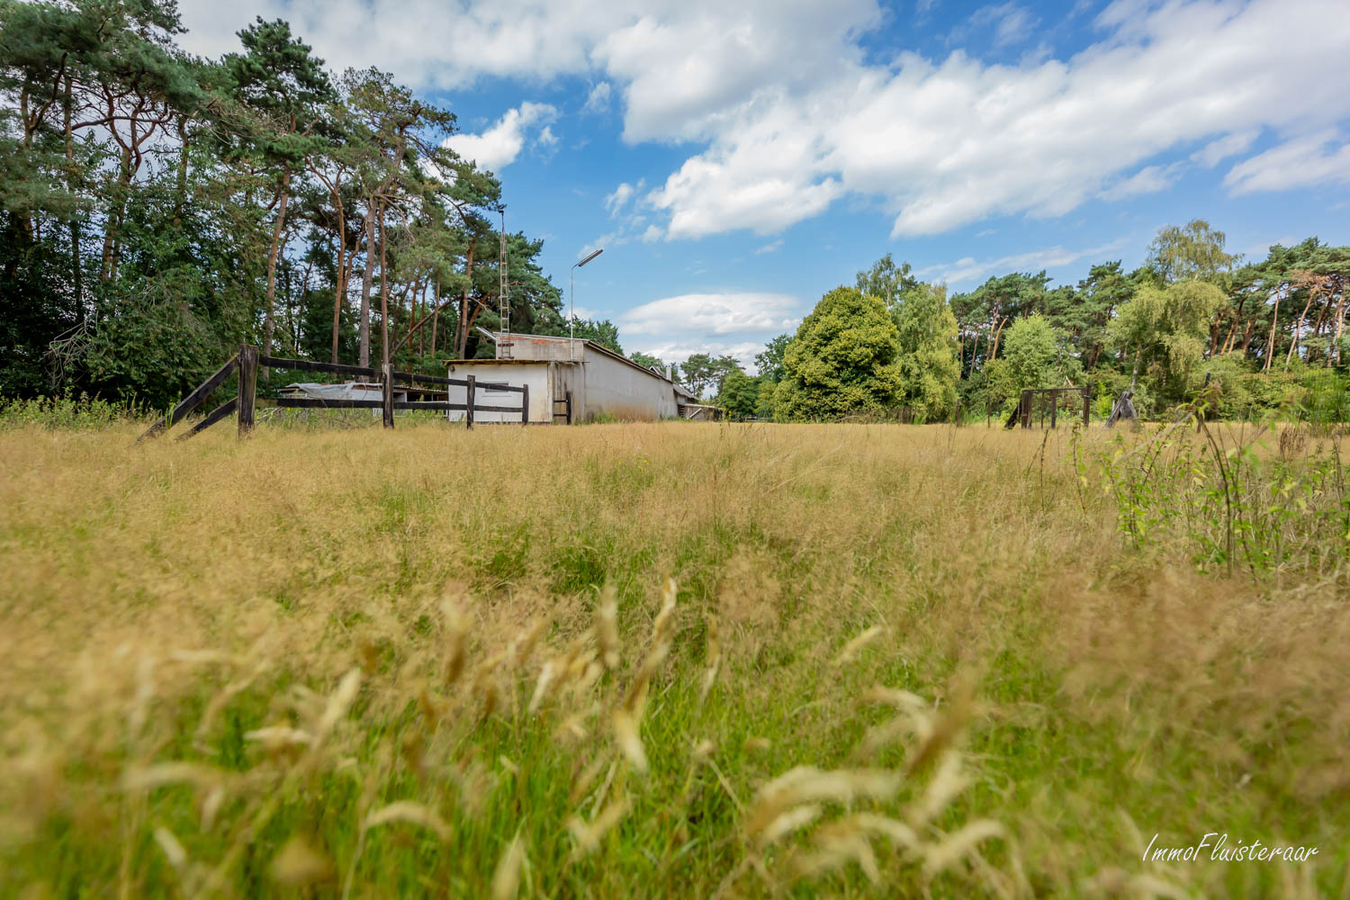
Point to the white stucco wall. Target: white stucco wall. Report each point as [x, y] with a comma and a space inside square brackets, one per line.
[602, 383]
[623, 390]
[535, 376]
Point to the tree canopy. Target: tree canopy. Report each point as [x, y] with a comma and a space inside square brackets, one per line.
[842, 361]
[157, 210]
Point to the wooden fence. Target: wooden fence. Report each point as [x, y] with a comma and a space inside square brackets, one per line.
[1041, 398]
[248, 359]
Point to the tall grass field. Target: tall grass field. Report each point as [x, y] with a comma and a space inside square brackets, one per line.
[674, 660]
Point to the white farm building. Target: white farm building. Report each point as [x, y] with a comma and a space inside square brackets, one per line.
[571, 380]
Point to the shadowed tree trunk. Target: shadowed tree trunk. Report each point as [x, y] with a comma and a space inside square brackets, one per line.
[366, 275]
[269, 317]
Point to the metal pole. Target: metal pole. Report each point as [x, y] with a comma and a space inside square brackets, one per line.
[572, 323]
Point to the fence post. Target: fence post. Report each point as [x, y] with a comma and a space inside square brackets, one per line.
[387, 394]
[1054, 407]
[525, 405]
[1087, 404]
[468, 402]
[248, 387]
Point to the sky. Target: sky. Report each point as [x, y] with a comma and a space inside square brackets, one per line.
[736, 161]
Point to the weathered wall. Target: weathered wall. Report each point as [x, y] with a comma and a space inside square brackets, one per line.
[601, 383]
[525, 346]
[536, 376]
[625, 391]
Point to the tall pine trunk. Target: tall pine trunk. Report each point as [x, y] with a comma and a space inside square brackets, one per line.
[269, 318]
[436, 316]
[462, 325]
[77, 280]
[384, 293]
[1270, 344]
[366, 275]
[340, 290]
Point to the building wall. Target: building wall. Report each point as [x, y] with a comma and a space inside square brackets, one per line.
[601, 383]
[536, 376]
[530, 346]
[622, 390]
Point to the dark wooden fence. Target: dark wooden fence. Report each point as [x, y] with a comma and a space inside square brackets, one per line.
[1042, 399]
[248, 359]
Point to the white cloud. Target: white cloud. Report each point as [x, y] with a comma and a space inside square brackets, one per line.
[615, 202]
[945, 144]
[736, 323]
[968, 269]
[1147, 180]
[597, 101]
[727, 313]
[1214, 152]
[430, 44]
[677, 351]
[787, 114]
[1012, 23]
[1321, 158]
[498, 146]
[770, 247]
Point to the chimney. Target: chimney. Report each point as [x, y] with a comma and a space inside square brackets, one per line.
[670, 375]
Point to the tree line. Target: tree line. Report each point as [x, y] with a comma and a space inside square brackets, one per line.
[157, 209]
[1260, 331]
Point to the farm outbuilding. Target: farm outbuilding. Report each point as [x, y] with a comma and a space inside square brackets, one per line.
[569, 381]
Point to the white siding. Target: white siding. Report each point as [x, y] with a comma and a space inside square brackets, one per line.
[601, 383]
[536, 376]
[623, 390]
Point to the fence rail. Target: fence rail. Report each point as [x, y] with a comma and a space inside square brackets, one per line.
[1048, 397]
[248, 360]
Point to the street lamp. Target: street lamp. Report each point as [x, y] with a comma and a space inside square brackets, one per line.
[572, 291]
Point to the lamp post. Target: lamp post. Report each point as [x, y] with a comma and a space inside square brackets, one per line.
[572, 292]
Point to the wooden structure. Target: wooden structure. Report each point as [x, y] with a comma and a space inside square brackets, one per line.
[248, 359]
[1036, 400]
[1124, 407]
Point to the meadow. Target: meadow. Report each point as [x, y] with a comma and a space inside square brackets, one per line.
[672, 660]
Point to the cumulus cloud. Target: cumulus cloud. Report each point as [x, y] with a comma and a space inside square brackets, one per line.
[615, 202]
[597, 101]
[1322, 158]
[498, 146]
[945, 144]
[735, 323]
[785, 114]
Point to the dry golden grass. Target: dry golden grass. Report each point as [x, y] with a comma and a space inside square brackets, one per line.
[677, 660]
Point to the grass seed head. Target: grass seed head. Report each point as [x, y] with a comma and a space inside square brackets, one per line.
[506, 879]
[630, 743]
[606, 627]
[299, 864]
[854, 647]
[412, 813]
[588, 834]
[954, 847]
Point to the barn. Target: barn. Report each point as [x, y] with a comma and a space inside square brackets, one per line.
[570, 380]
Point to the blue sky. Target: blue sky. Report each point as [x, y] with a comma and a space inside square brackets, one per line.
[737, 160]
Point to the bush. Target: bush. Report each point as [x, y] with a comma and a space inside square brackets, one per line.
[82, 412]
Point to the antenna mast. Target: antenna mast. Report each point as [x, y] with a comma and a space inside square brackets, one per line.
[504, 310]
